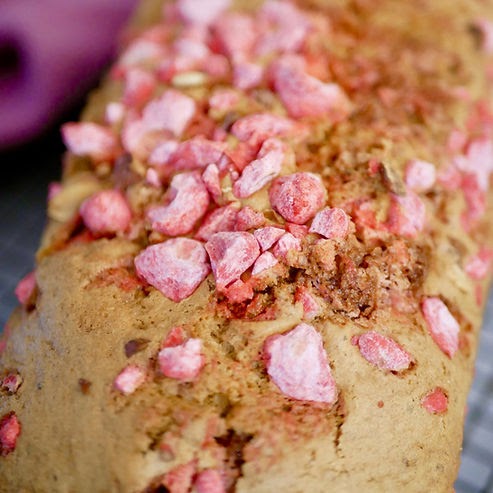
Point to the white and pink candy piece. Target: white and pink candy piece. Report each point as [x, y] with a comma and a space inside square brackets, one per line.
[189, 203]
[442, 326]
[260, 172]
[10, 429]
[420, 175]
[383, 352]
[175, 267]
[129, 379]
[436, 401]
[172, 111]
[267, 236]
[25, 288]
[182, 362]
[209, 481]
[306, 96]
[90, 139]
[106, 212]
[231, 254]
[11, 382]
[297, 363]
[265, 261]
[407, 215]
[297, 197]
[331, 223]
[259, 127]
[478, 266]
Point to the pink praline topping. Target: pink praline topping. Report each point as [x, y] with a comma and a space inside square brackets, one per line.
[383, 352]
[297, 363]
[175, 267]
[25, 288]
[436, 401]
[442, 326]
[106, 212]
[331, 223]
[182, 362]
[10, 429]
[129, 379]
[297, 197]
[209, 481]
[231, 254]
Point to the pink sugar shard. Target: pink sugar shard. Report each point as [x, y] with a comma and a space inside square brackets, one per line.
[172, 111]
[90, 139]
[235, 35]
[260, 172]
[197, 153]
[198, 12]
[209, 481]
[180, 478]
[161, 154]
[265, 261]
[287, 28]
[183, 362]
[11, 382]
[286, 243]
[311, 307]
[219, 220]
[212, 181]
[239, 291]
[10, 429]
[175, 267]
[407, 215]
[383, 352]
[139, 86]
[231, 254]
[224, 99]
[436, 401]
[106, 212]
[189, 203]
[247, 75]
[306, 96]
[267, 236]
[442, 326]
[478, 266]
[25, 288]
[420, 175]
[297, 197]
[129, 379]
[331, 223]
[297, 363]
[248, 218]
[258, 127]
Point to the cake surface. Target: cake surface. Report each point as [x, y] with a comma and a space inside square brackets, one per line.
[266, 263]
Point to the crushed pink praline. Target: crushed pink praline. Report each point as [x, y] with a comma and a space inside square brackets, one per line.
[420, 175]
[175, 267]
[25, 288]
[10, 429]
[209, 481]
[106, 212]
[11, 382]
[297, 197]
[231, 254]
[297, 363]
[189, 202]
[383, 352]
[129, 379]
[442, 326]
[182, 362]
[436, 401]
[265, 261]
[331, 223]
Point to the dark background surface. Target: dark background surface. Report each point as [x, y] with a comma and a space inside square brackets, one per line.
[26, 173]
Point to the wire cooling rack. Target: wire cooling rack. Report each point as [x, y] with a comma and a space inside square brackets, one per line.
[26, 173]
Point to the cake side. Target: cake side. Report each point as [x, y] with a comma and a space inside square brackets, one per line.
[266, 264]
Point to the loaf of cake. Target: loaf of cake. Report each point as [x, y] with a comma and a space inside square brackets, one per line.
[266, 263]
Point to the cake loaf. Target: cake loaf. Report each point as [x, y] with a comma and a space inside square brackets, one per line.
[266, 264]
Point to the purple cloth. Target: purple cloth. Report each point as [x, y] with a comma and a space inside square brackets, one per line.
[50, 53]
